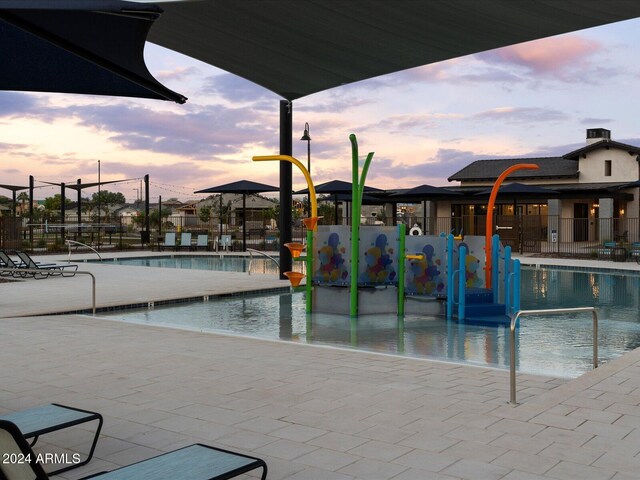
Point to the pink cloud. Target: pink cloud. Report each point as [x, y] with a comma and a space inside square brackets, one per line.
[547, 56]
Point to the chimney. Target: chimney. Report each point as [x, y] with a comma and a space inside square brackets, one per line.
[597, 134]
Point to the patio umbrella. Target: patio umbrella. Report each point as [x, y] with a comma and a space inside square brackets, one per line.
[423, 192]
[78, 46]
[244, 187]
[336, 188]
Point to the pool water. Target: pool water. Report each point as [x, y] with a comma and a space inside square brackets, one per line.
[227, 263]
[556, 345]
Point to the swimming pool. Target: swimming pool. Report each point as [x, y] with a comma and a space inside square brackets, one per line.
[559, 346]
[225, 263]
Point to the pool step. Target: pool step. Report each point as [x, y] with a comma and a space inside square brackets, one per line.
[478, 295]
[484, 309]
[489, 320]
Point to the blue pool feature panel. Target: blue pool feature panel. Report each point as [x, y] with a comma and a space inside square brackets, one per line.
[378, 264]
[332, 256]
[426, 276]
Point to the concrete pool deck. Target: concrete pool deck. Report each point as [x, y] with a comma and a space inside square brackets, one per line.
[310, 412]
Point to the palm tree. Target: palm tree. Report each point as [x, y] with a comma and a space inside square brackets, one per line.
[23, 198]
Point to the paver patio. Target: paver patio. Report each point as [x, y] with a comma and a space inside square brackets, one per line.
[311, 412]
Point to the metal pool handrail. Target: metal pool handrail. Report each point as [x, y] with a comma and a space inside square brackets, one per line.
[252, 251]
[34, 270]
[514, 321]
[69, 242]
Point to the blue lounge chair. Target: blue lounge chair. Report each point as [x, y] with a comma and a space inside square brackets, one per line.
[46, 269]
[202, 242]
[224, 241]
[38, 421]
[169, 240]
[185, 240]
[195, 462]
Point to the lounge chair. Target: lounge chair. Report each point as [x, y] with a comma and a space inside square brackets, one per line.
[224, 242]
[7, 263]
[50, 418]
[202, 242]
[195, 462]
[185, 240]
[169, 240]
[47, 269]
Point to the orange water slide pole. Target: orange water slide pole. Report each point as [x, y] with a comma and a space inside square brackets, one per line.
[489, 224]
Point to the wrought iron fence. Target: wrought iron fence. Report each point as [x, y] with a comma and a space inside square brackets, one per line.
[534, 234]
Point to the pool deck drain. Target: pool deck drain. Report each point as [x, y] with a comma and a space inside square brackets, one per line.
[311, 413]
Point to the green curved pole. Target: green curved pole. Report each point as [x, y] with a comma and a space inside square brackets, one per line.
[357, 189]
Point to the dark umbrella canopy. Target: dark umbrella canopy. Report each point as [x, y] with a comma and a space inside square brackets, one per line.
[422, 192]
[338, 188]
[244, 187]
[425, 191]
[78, 46]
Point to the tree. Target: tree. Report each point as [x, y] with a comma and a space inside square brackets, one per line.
[105, 197]
[23, 198]
[55, 202]
[205, 214]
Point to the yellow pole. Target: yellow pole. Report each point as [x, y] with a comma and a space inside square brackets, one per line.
[303, 169]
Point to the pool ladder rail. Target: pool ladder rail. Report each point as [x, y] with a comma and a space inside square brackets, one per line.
[252, 251]
[73, 242]
[514, 322]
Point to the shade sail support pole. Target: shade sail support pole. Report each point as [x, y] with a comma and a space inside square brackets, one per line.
[286, 186]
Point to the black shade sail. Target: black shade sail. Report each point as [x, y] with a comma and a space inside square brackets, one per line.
[78, 46]
[299, 47]
[244, 187]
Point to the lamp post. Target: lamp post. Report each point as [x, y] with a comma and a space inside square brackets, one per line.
[307, 138]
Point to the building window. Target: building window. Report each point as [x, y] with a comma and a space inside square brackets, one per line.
[607, 168]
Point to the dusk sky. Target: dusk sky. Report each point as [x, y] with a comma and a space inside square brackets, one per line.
[530, 100]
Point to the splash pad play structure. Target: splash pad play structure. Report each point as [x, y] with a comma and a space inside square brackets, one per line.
[358, 270]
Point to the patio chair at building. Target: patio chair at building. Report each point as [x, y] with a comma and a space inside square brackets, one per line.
[34, 422]
[195, 462]
[606, 250]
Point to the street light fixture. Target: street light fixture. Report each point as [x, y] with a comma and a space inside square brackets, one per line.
[306, 137]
